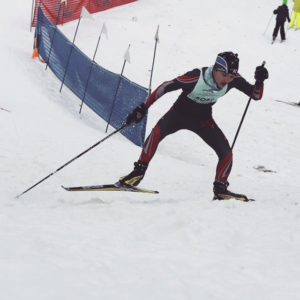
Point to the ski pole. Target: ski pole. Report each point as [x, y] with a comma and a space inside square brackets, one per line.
[268, 24]
[5, 109]
[87, 150]
[242, 120]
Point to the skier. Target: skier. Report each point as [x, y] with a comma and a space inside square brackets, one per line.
[296, 15]
[282, 13]
[201, 88]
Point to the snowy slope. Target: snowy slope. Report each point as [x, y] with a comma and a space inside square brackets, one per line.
[177, 244]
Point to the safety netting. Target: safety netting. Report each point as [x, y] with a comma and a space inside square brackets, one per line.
[109, 95]
[60, 11]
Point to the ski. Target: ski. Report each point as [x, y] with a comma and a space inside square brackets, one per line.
[289, 102]
[239, 197]
[108, 188]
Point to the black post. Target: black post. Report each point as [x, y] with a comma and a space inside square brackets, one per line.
[32, 8]
[69, 55]
[236, 135]
[87, 150]
[90, 72]
[116, 93]
[50, 50]
[156, 40]
[62, 19]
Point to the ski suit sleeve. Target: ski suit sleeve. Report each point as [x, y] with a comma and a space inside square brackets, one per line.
[288, 15]
[181, 82]
[249, 89]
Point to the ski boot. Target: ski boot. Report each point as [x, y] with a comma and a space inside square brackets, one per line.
[221, 192]
[136, 176]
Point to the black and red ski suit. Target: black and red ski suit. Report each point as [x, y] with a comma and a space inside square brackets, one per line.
[190, 115]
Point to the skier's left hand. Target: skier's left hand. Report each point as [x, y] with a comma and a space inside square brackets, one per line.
[137, 114]
[260, 75]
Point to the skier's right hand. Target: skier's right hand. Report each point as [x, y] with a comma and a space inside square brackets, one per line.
[260, 75]
[137, 114]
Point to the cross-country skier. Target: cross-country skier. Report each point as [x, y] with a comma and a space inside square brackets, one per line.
[201, 88]
[282, 13]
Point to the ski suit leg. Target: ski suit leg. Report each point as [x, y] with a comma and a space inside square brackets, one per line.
[282, 33]
[213, 136]
[168, 124]
[276, 29]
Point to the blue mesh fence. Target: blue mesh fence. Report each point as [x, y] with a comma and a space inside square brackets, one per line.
[102, 85]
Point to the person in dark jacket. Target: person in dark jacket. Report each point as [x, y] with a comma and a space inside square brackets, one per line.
[282, 13]
[201, 88]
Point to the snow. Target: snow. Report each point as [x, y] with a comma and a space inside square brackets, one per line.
[175, 245]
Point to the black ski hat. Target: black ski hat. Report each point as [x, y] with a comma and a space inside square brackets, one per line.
[227, 62]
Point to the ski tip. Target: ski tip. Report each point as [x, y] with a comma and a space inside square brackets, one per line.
[248, 199]
[65, 188]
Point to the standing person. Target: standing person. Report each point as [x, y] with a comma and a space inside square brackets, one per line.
[296, 15]
[282, 13]
[201, 88]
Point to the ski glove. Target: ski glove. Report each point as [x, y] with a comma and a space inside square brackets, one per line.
[261, 74]
[137, 114]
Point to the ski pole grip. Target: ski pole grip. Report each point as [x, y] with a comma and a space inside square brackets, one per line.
[263, 64]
